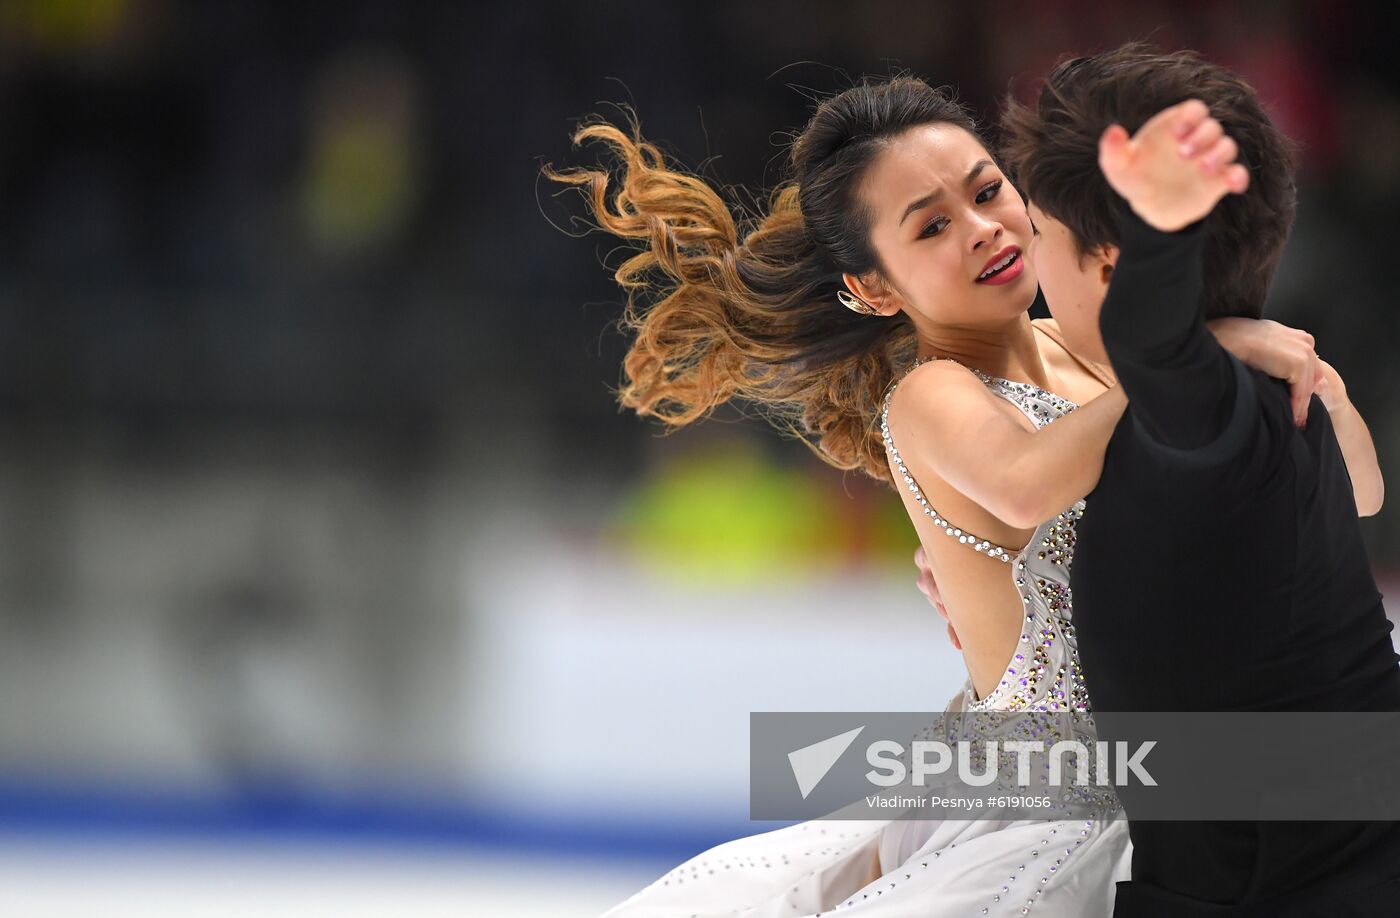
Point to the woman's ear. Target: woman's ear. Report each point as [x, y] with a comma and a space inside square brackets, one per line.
[871, 288]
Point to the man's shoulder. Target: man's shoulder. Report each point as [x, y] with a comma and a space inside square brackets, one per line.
[1273, 401]
[1141, 475]
[1258, 405]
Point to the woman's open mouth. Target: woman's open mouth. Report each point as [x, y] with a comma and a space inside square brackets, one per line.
[1006, 268]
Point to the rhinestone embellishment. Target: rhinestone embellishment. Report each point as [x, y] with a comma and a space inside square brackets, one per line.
[1041, 675]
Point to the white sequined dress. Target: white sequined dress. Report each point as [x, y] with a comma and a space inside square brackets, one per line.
[987, 866]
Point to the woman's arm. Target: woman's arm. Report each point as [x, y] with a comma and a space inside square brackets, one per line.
[956, 427]
[1358, 449]
[1276, 350]
[1287, 353]
[1023, 477]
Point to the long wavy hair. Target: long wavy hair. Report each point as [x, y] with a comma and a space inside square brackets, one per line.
[729, 304]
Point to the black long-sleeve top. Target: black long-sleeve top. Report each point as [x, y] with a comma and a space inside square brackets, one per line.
[1220, 567]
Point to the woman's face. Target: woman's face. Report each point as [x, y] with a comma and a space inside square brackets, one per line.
[950, 231]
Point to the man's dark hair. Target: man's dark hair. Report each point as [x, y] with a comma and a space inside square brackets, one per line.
[1052, 150]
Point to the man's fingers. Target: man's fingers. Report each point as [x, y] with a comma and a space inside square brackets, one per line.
[1179, 120]
[1188, 114]
[1115, 135]
[1113, 148]
[929, 587]
[1236, 178]
[1202, 137]
[1220, 154]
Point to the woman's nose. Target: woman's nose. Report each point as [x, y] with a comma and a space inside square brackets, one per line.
[984, 233]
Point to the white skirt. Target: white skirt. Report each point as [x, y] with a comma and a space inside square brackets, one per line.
[929, 869]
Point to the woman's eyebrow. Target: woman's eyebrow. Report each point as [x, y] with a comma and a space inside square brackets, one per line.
[920, 203]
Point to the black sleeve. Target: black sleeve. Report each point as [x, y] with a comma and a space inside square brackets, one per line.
[1186, 393]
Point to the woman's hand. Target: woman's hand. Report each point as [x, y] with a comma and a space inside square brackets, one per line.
[929, 587]
[1354, 437]
[1287, 353]
[1283, 353]
[1331, 389]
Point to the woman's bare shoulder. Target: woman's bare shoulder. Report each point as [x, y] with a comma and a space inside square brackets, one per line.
[938, 376]
[938, 391]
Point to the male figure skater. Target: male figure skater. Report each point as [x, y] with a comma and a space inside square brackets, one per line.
[1219, 564]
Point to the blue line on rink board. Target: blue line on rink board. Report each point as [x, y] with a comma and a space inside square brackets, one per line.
[279, 812]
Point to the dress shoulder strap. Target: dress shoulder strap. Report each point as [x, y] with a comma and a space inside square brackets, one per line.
[1035, 403]
[1097, 370]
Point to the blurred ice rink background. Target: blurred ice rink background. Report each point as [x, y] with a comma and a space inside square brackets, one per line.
[331, 579]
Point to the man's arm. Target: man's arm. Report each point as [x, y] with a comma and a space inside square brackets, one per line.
[1186, 392]
[1179, 380]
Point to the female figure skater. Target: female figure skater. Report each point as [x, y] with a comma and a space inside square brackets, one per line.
[878, 312]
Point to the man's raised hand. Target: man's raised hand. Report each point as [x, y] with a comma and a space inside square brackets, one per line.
[1175, 168]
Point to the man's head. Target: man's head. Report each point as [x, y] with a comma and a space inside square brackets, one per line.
[1051, 150]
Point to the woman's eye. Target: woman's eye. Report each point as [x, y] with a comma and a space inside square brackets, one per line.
[934, 228]
[986, 194]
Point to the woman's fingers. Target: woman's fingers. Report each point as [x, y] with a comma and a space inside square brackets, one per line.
[1327, 390]
[1303, 382]
[1319, 384]
[1302, 391]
